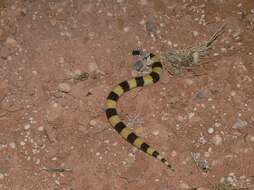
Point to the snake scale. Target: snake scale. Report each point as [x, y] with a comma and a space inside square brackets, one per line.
[123, 87]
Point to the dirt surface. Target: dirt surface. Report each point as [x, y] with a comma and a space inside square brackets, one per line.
[60, 59]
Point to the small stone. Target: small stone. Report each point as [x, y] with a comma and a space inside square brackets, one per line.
[1, 176]
[184, 186]
[12, 145]
[210, 130]
[34, 72]
[64, 87]
[239, 5]
[93, 123]
[216, 140]
[130, 159]
[41, 128]
[155, 133]
[249, 138]
[195, 33]
[27, 126]
[173, 153]
[240, 124]
[217, 125]
[98, 154]
[207, 154]
[126, 29]
[11, 42]
[92, 66]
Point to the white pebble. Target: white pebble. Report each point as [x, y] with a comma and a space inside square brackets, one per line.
[210, 130]
[217, 125]
[27, 126]
[98, 154]
[173, 153]
[126, 29]
[41, 128]
[155, 133]
[93, 122]
[195, 33]
[250, 138]
[207, 154]
[184, 186]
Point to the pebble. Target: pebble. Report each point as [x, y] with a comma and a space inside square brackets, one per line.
[64, 87]
[1, 176]
[27, 126]
[92, 66]
[210, 130]
[155, 133]
[126, 29]
[93, 123]
[240, 124]
[250, 138]
[12, 145]
[217, 124]
[184, 186]
[207, 154]
[11, 42]
[195, 33]
[130, 159]
[232, 93]
[173, 153]
[216, 140]
[41, 128]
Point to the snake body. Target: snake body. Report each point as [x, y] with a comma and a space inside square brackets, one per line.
[123, 87]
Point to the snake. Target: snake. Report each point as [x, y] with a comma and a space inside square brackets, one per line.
[125, 86]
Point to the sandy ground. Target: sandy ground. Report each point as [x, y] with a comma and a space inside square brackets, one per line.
[60, 59]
